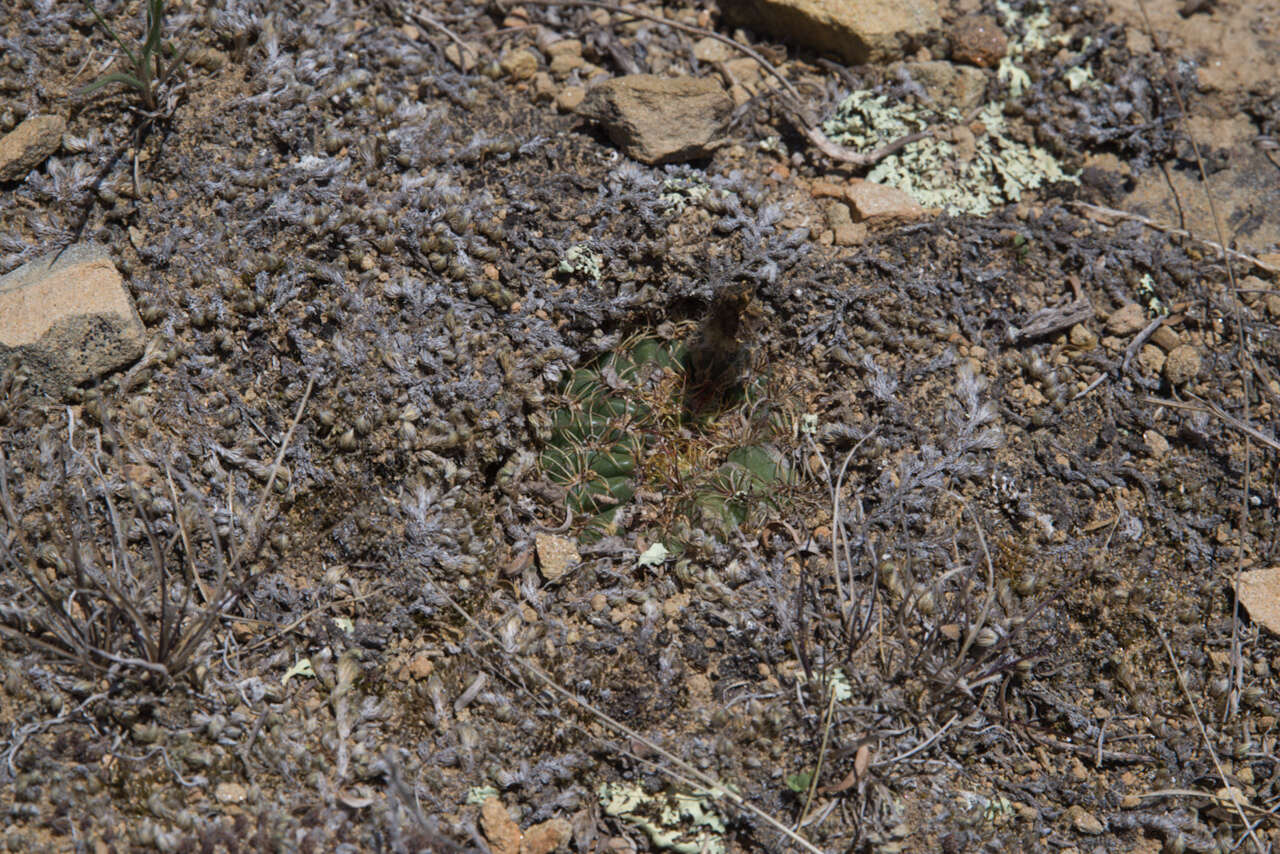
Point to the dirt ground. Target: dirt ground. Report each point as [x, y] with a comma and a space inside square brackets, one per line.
[480, 481]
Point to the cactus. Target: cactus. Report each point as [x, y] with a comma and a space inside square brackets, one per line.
[624, 427]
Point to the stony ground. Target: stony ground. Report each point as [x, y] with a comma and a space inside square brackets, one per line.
[482, 487]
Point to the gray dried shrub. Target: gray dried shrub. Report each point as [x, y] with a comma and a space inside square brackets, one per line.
[105, 575]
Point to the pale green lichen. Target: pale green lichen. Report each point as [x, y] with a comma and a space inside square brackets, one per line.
[584, 261]
[938, 172]
[673, 821]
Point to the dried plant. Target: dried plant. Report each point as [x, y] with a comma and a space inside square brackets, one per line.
[119, 582]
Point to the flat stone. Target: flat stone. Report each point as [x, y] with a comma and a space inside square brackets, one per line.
[463, 58]
[978, 40]
[564, 47]
[1157, 445]
[875, 203]
[1259, 593]
[1084, 821]
[1127, 320]
[26, 146]
[570, 98]
[499, 828]
[556, 555]
[230, 793]
[69, 317]
[1182, 365]
[1166, 339]
[519, 64]
[659, 119]
[858, 32]
[547, 837]
[708, 49]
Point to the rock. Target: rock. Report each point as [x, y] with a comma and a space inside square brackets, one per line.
[711, 50]
[1082, 337]
[978, 40]
[544, 88]
[950, 85]
[499, 828]
[1182, 365]
[1151, 359]
[1127, 320]
[463, 58]
[420, 666]
[562, 65]
[230, 793]
[519, 64]
[549, 836]
[875, 203]
[26, 146]
[1157, 445]
[845, 231]
[858, 32]
[1166, 339]
[556, 555]
[1084, 821]
[660, 120]
[70, 318]
[570, 98]
[564, 47]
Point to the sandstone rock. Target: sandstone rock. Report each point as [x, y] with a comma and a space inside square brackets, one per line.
[1166, 339]
[562, 65]
[564, 47]
[570, 98]
[1259, 593]
[1157, 445]
[858, 32]
[230, 793]
[660, 120]
[712, 50]
[875, 203]
[499, 828]
[1182, 365]
[547, 837]
[978, 40]
[1152, 360]
[556, 555]
[463, 58]
[1084, 821]
[519, 64]
[26, 146]
[70, 317]
[1127, 320]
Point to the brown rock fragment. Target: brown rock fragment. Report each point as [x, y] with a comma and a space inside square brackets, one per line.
[519, 64]
[70, 317]
[1127, 320]
[859, 32]
[502, 832]
[26, 146]
[549, 836]
[556, 555]
[658, 119]
[1259, 593]
[875, 203]
[1182, 365]
[978, 40]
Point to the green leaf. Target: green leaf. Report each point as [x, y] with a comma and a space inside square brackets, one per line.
[118, 77]
[799, 782]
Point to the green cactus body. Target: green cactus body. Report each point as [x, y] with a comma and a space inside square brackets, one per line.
[617, 414]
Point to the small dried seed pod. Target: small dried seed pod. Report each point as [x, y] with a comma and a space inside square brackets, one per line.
[347, 441]
[986, 638]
